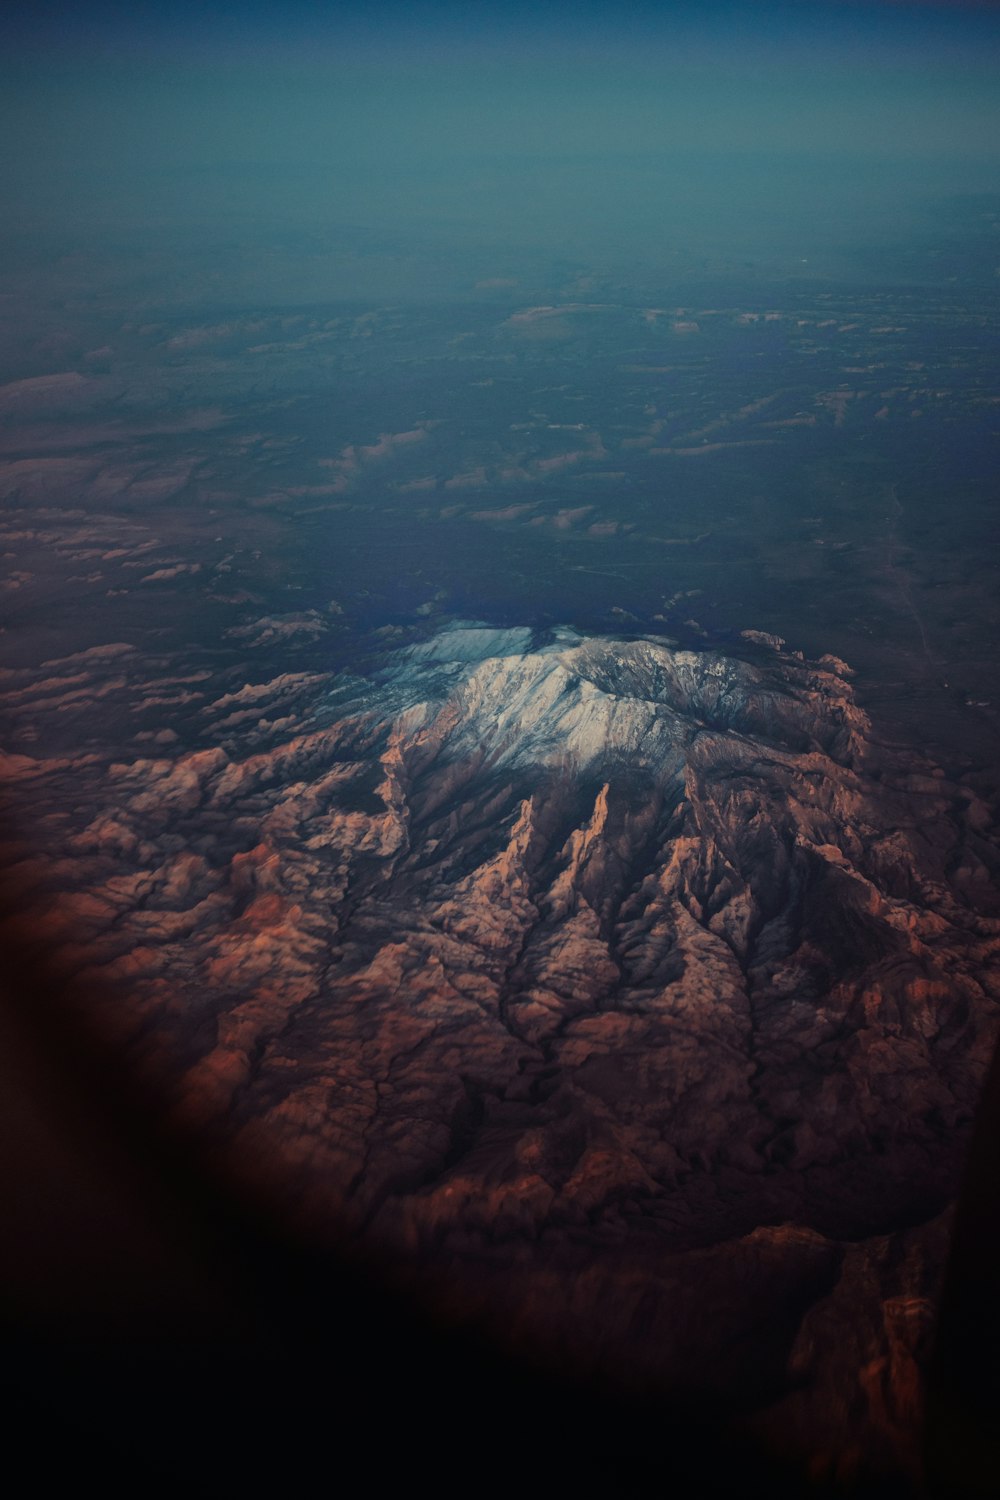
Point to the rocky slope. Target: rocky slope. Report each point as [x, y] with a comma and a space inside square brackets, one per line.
[635, 990]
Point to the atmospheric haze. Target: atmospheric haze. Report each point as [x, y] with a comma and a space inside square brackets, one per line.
[499, 735]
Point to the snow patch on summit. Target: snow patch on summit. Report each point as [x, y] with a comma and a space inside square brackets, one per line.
[556, 697]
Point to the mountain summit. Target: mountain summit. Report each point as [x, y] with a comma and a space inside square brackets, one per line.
[635, 991]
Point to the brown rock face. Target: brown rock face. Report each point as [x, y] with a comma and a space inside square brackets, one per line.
[633, 990]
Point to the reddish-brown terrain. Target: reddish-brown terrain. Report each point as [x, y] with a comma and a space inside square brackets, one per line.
[633, 1001]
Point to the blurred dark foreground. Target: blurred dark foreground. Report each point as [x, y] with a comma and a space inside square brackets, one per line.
[162, 1330]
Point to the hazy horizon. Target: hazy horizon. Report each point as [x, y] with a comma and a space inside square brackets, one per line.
[784, 135]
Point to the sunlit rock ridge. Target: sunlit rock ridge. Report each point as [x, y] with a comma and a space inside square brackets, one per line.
[640, 979]
[614, 916]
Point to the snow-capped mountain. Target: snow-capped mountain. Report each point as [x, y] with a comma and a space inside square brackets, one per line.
[635, 989]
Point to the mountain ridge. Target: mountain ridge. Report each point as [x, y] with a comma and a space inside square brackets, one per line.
[584, 972]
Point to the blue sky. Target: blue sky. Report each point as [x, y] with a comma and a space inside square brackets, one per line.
[390, 116]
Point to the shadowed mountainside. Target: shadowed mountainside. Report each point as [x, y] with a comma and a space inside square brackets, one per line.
[633, 997]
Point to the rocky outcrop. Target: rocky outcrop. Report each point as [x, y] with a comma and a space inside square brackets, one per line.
[633, 986]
